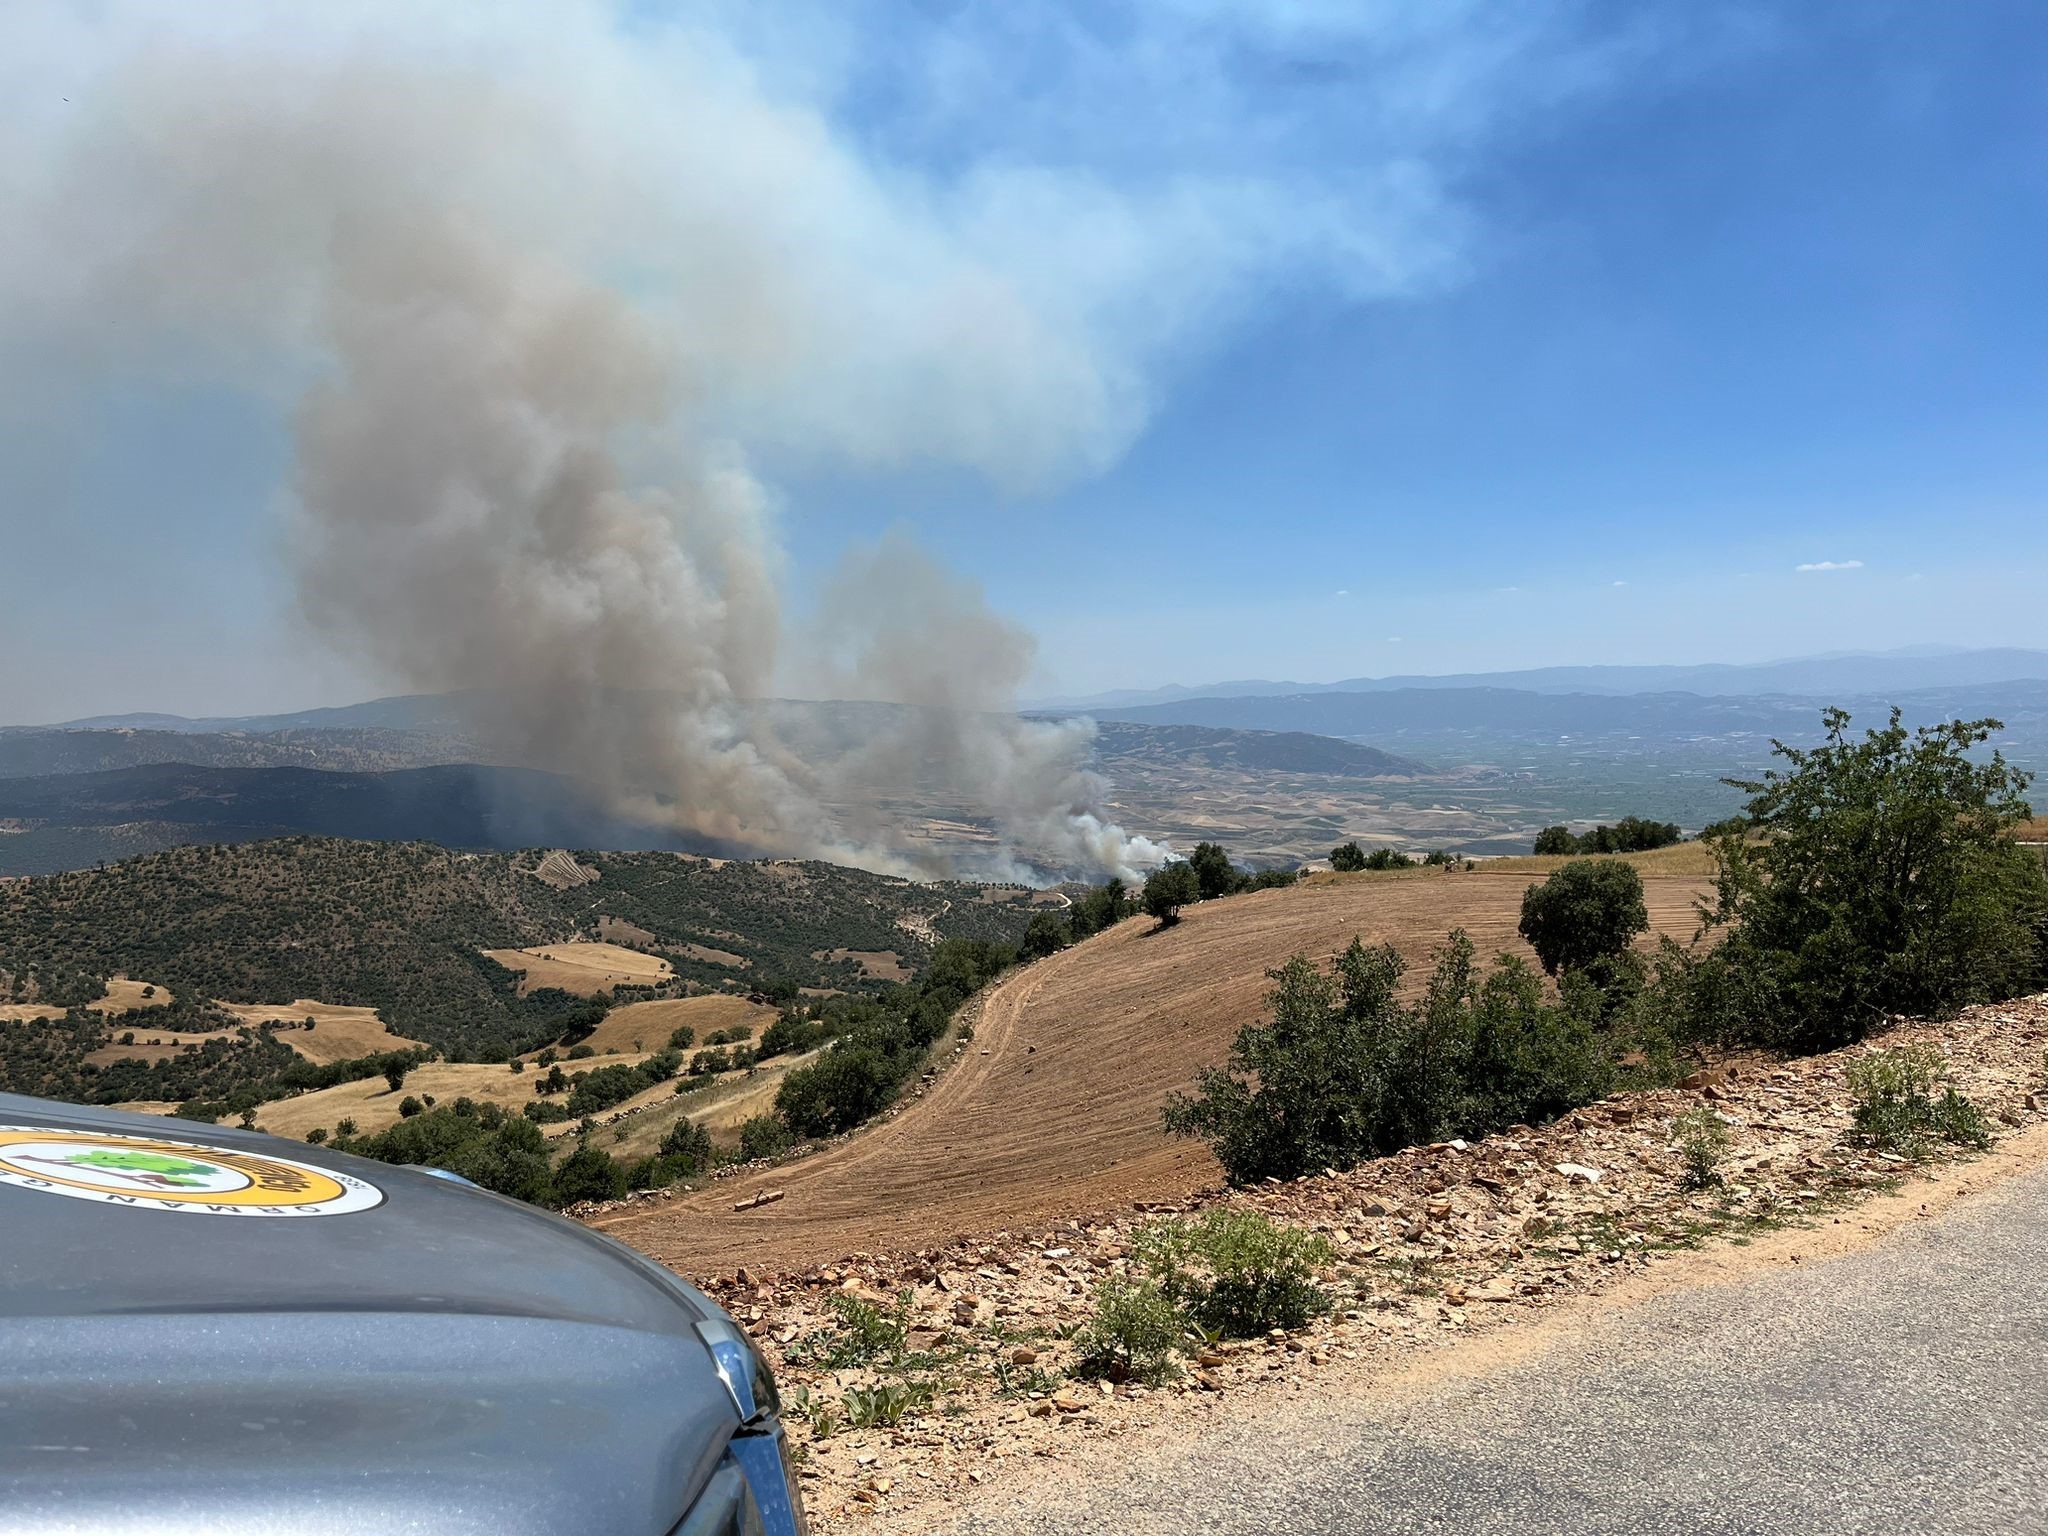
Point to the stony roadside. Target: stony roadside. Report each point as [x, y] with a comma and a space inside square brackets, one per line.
[1434, 1244]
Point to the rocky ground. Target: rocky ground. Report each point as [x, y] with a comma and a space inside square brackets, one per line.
[1434, 1244]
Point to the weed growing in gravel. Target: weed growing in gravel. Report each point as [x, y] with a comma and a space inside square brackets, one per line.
[865, 1334]
[1236, 1272]
[1132, 1336]
[1702, 1142]
[883, 1405]
[1897, 1108]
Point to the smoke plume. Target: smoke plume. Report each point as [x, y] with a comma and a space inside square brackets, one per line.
[539, 289]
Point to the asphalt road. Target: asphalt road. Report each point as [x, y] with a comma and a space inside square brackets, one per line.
[1899, 1389]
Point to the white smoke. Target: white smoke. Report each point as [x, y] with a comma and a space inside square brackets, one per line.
[538, 287]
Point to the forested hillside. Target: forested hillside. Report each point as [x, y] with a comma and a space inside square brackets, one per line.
[401, 927]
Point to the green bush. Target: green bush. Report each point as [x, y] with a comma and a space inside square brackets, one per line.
[1132, 1335]
[764, 1136]
[1345, 1071]
[1347, 858]
[1584, 915]
[1236, 1273]
[1388, 858]
[1882, 878]
[1048, 934]
[689, 1144]
[1904, 1102]
[589, 1173]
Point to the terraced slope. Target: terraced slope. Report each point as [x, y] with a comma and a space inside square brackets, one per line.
[1054, 1112]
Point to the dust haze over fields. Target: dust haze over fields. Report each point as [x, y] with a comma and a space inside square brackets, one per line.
[536, 293]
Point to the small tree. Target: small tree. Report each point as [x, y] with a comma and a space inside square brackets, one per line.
[408, 1107]
[1588, 912]
[1552, 841]
[1347, 858]
[1214, 873]
[394, 1075]
[1168, 889]
[1047, 935]
[589, 1173]
[1884, 879]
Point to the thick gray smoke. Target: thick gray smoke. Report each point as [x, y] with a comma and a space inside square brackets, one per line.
[539, 285]
[530, 294]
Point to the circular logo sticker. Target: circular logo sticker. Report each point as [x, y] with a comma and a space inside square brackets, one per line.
[163, 1175]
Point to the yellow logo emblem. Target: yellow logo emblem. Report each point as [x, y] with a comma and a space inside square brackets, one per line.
[157, 1173]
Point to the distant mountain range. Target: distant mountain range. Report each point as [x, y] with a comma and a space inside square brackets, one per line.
[1859, 673]
[1396, 714]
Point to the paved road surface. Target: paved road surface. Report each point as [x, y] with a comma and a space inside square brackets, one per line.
[1900, 1389]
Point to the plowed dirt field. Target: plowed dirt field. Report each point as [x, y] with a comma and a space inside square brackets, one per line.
[1054, 1111]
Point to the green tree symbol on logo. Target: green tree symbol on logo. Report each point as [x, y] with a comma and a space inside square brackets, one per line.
[154, 1166]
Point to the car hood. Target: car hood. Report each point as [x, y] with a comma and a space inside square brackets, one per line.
[440, 1359]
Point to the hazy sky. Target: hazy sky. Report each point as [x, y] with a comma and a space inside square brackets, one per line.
[1414, 337]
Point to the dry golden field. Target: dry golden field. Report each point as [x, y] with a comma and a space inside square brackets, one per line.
[340, 1032]
[584, 968]
[121, 997]
[1054, 1110]
[647, 1026]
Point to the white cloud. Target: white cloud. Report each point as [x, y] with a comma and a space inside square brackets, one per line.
[1621, 583]
[1830, 565]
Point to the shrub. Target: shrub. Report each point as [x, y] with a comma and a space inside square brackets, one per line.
[394, 1076]
[1388, 858]
[1236, 1273]
[1556, 840]
[1103, 907]
[1214, 874]
[1347, 858]
[682, 1038]
[1132, 1335]
[582, 1052]
[1584, 915]
[1167, 889]
[1896, 1105]
[1884, 879]
[1048, 934]
[764, 1136]
[1702, 1142]
[836, 1092]
[316, 1135]
[589, 1173]
[790, 1034]
[409, 1106]
[1345, 1071]
[689, 1145]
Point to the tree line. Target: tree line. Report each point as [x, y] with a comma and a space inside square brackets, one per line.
[1868, 878]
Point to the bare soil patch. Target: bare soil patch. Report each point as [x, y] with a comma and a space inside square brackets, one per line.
[340, 1032]
[647, 1026]
[583, 968]
[1053, 1111]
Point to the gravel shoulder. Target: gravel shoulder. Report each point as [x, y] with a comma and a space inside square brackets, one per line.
[1877, 1373]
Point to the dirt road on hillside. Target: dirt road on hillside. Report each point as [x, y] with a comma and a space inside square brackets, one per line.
[1054, 1111]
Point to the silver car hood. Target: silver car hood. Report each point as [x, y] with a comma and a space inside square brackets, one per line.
[444, 1361]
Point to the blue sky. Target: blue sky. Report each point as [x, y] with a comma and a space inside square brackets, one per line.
[1537, 335]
